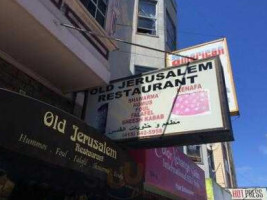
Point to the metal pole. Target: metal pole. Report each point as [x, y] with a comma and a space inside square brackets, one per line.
[123, 41]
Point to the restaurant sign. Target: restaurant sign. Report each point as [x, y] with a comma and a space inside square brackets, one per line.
[43, 132]
[174, 106]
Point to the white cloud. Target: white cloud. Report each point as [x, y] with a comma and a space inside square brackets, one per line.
[263, 149]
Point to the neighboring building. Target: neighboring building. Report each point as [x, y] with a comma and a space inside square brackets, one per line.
[202, 156]
[150, 23]
[42, 59]
[216, 160]
[224, 165]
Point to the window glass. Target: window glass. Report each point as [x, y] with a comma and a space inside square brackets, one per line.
[100, 18]
[146, 23]
[102, 6]
[171, 33]
[97, 8]
[194, 152]
[147, 17]
[147, 9]
[84, 2]
[91, 8]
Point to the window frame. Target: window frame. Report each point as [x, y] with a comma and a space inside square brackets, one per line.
[154, 19]
[173, 40]
[97, 9]
[144, 69]
[211, 159]
[200, 154]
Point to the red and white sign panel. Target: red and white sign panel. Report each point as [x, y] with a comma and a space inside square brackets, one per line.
[248, 193]
[207, 50]
[186, 102]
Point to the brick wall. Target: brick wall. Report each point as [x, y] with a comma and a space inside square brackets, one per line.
[219, 165]
[15, 80]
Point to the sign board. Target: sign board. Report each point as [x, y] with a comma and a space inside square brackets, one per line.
[174, 106]
[43, 132]
[207, 50]
[169, 170]
[248, 193]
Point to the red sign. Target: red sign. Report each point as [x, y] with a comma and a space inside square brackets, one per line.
[169, 170]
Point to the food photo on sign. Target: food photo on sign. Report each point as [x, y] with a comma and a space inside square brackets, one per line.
[174, 106]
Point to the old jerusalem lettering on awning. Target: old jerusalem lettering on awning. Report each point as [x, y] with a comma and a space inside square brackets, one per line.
[31, 128]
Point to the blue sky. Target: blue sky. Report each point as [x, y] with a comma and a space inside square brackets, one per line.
[244, 24]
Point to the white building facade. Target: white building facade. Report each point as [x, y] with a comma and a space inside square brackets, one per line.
[150, 23]
[216, 160]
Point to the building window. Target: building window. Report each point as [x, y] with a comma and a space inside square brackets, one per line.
[98, 9]
[171, 32]
[141, 69]
[194, 153]
[211, 159]
[147, 17]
